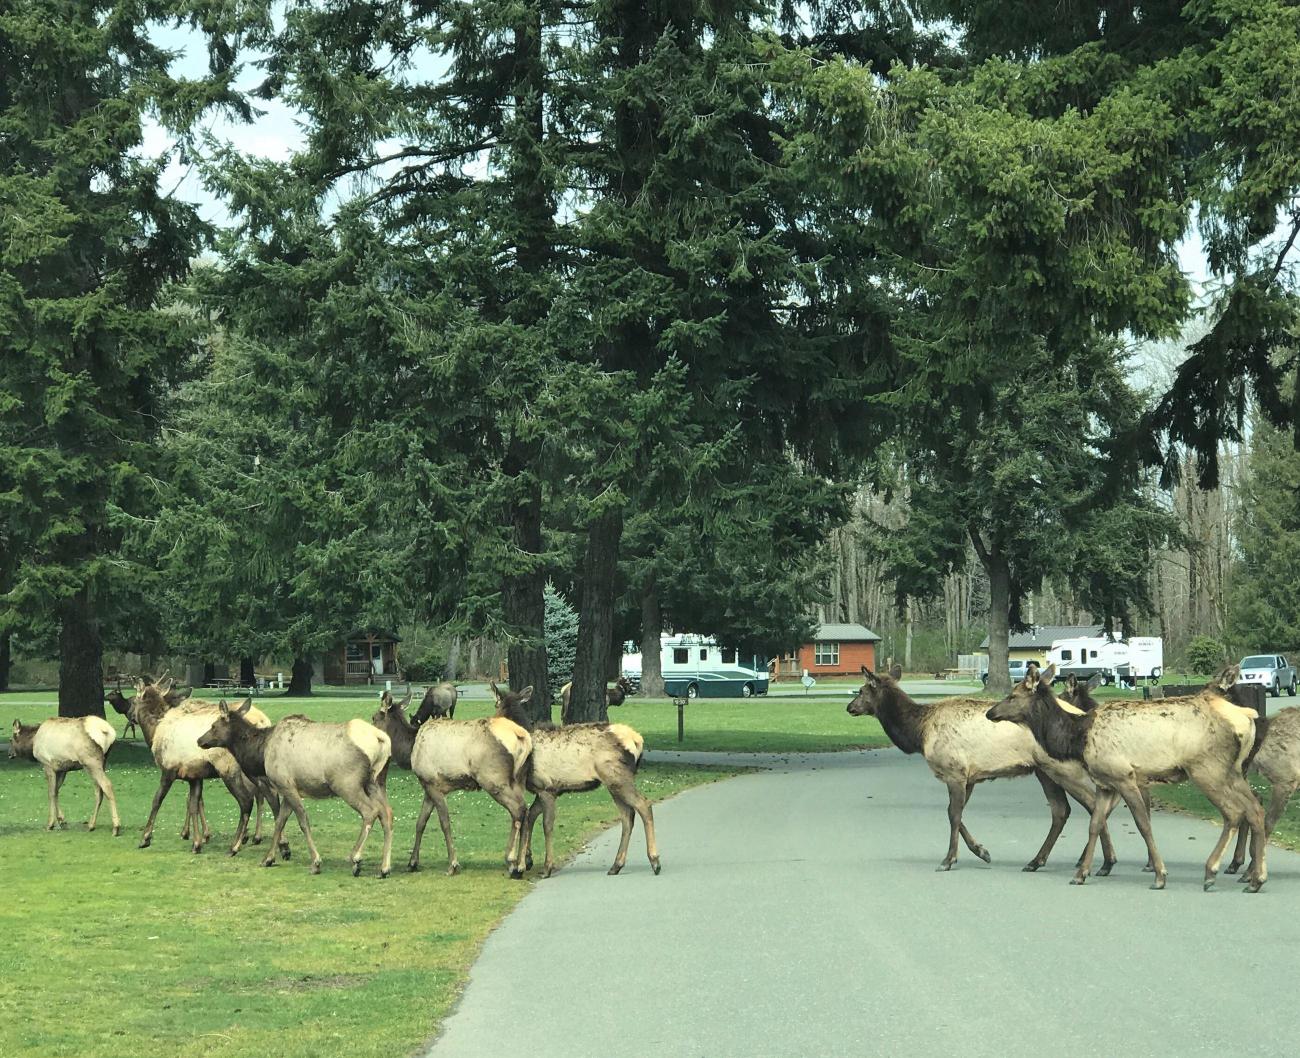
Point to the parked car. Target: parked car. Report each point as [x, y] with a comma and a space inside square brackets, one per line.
[1018, 667]
[1273, 671]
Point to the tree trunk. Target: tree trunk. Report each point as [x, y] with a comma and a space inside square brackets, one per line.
[81, 658]
[247, 672]
[595, 619]
[6, 660]
[300, 681]
[450, 670]
[652, 623]
[999, 574]
[523, 593]
[907, 635]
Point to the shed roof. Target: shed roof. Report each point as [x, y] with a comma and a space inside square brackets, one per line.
[377, 633]
[850, 632]
[1045, 635]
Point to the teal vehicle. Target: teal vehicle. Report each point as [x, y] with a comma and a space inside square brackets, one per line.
[695, 666]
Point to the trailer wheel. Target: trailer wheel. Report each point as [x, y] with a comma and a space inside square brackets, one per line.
[1106, 679]
[693, 691]
[747, 691]
[1291, 690]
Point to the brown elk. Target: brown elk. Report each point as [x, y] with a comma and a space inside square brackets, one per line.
[1126, 745]
[576, 758]
[446, 755]
[122, 706]
[615, 695]
[963, 749]
[1276, 756]
[303, 758]
[439, 700]
[69, 743]
[171, 729]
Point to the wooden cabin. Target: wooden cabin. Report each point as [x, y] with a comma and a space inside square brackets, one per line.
[365, 657]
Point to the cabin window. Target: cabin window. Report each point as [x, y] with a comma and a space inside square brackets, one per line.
[680, 655]
[355, 653]
[728, 655]
[827, 654]
[1067, 655]
[704, 653]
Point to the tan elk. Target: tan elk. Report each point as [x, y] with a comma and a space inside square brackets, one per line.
[489, 755]
[1126, 745]
[576, 758]
[962, 749]
[302, 758]
[615, 695]
[1276, 756]
[69, 743]
[439, 700]
[171, 729]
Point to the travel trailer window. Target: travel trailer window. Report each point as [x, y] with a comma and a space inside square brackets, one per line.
[1067, 655]
[728, 655]
[680, 655]
[827, 654]
[704, 653]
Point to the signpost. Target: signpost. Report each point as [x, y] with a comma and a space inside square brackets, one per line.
[681, 718]
[809, 682]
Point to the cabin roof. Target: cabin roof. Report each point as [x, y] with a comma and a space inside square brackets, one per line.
[848, 632]
[1045, 635]
[380, 634]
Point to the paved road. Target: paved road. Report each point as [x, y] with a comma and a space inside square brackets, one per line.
[799, 913]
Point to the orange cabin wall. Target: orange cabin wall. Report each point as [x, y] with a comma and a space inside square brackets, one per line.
[852, 657]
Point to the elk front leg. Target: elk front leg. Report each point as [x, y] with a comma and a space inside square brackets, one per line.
[164, 784]
[52, 793]
[1060, 807]
[956, 802]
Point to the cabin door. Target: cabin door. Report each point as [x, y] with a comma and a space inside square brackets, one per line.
[377, 658]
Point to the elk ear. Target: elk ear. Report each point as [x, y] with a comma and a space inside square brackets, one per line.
[243, 709]
[1072, 682]
[1094, 681]
[526, 695]
[165, 685]
[1225, 679]
[18, 727]
[869, 678]
[385, 700]
[139, 685]
[495, 690]
[222, 708]
[896, 673]
[405, 701]
[1048, 674]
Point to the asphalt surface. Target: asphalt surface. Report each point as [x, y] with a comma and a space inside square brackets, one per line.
[799, 913]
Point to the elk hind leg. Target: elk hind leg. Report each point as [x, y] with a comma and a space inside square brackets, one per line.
[1060, 807]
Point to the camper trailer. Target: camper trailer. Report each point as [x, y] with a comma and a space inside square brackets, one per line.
[695, 666]
[1116, 660]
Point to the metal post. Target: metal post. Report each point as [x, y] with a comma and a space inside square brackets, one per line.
[681, 718]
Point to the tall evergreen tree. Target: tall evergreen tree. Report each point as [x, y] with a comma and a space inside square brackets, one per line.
[89, 241]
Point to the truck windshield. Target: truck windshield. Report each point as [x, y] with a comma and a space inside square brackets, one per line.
[1259, 661]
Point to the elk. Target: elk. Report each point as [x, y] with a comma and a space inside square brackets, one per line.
[446, 755]
[615, 695]
[303, 758]
[1276, 756]
[439, 700]
[1079, 694]
[69, 743]
[963, 749]
[171, 730]
[122, 706]
[576, 758]
[1126, 745]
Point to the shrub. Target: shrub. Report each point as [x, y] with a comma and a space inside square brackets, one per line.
[561, 630]
[1205, 655]
[428, 667]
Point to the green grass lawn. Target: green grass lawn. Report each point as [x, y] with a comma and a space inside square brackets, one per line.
[108, 950]
[1185, 797]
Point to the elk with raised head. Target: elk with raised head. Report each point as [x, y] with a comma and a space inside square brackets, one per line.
[615, 695]
[303, 758]
[576, 758]
[1276, 756]
[439, 701]
[122, 706]
[962, 749]
[1126, 745]
[69, 743]
[171, 725]
[446, 755]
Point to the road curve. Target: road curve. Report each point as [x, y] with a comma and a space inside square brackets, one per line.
[799, 913]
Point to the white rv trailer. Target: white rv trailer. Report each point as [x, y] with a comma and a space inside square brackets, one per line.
[1127, 661]
[696, 666]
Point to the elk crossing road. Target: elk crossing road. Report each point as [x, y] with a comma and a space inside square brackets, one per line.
[799, 912]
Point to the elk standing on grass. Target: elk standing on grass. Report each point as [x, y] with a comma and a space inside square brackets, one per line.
[962, 749]
[446, 755]
[122, 706]
[67, 743]
[1126, 745]
[439, 701]
[303, 758]
[1276, 756]
[576, 758]
[615, 695]
[171, 728]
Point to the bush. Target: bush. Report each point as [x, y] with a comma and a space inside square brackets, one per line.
[1206, 655]
[561, 629]
[428, 667]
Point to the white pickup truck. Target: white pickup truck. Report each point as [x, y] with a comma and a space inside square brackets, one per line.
[1273, 671]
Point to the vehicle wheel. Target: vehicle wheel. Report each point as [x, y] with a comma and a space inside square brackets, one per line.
[1277, 688]
[984, 678]
[1155, 677]
[693, 691]
[1106, 680]
[747, 691]
[1291, 690]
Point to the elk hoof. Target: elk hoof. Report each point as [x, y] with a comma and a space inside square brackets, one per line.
[615, 869]
[528, 863]
[63, 823]
[516, 873]
[1149, 869]
[1242, 879]
[1232, 868]
[256, 839]
[49, 826]
[383, 872]
[356, 869]
[453, 869]
[655, 866]
[284, 852]
[1104, 870]
[1031, 866]
[1253, 887]
[1159, 883]
[90, 826]
[412, 867]
[547, 871]
[233, 852]
[145, 842]
[1079, 879]
[945, 866]
[983, 854]
[117, 832]
[315, 867]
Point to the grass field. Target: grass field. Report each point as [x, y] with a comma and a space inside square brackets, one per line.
[109, 950]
